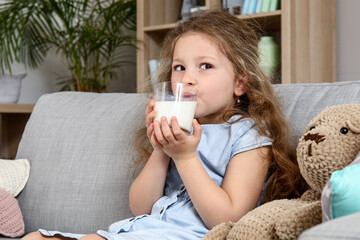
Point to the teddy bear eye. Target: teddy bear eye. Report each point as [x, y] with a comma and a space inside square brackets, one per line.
[344, 130]
[313, 127]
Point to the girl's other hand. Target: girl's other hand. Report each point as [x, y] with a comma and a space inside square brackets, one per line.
[150, 115]
[174, 141]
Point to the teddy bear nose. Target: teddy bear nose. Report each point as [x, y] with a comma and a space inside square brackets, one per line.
[314, 137]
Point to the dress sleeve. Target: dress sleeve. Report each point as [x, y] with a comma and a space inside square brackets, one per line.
[247, 137]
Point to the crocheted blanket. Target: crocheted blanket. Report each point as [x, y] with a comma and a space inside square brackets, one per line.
[219, 232]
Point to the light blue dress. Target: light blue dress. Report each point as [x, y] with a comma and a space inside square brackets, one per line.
[174, 216]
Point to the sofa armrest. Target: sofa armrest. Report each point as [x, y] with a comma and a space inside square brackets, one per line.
[346, 227]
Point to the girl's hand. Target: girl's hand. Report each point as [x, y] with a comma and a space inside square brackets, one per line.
[174, 141]
[150, 115]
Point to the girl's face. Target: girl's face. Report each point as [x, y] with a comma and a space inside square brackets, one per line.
[198, 61]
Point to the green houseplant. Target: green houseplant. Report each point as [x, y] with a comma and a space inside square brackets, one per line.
[90, 34]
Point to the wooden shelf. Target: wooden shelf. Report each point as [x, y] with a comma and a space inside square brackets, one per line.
[269, 21]
[262, 18]
[261, 15]
[304, 29]
[13, 118]
[162, 27]
[16, 108]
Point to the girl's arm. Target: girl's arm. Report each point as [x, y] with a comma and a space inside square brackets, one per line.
[239, 193]
[242, 184]
[148, 187]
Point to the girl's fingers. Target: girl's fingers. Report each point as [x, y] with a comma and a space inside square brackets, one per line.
[197, 129]
[150, 130]
[149, 112]
[150, 106]
[151, 135]
[166, 130]
[154, 140]
[177, 131]
[150, 118]
[158, 133]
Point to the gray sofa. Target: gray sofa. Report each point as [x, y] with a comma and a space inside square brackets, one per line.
[80, 151]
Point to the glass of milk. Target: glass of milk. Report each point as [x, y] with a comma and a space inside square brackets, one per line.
[175, 99]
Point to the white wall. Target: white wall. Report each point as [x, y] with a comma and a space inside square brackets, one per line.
[348, 32]
[43, 79]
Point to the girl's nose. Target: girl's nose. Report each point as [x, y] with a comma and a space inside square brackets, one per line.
[188, 78]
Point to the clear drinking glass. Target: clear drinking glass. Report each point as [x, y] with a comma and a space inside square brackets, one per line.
[176, 99]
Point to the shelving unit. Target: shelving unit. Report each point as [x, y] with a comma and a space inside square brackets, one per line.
[13, 118]
[306, 30]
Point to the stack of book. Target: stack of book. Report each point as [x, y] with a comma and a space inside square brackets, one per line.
[258, 6]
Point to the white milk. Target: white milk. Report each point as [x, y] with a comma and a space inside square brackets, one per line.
[184, 111]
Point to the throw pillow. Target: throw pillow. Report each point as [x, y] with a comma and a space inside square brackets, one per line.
[341, 194]
[11, 220]
[14, 175]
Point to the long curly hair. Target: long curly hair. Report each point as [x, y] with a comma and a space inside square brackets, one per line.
[238, 41]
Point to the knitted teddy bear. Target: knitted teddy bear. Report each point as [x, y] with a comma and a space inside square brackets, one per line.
[330, 142]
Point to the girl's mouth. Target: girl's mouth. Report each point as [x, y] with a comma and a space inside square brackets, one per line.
[188, 97]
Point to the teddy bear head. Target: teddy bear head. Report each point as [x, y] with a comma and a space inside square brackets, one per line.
[330, 142]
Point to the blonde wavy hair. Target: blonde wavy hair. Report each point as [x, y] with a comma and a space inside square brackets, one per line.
[238, 41]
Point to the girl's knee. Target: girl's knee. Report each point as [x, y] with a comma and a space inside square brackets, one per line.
[92, 237]
[33, 236]
[39, 236]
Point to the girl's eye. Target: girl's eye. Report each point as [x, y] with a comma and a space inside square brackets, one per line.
[206, 66]
[179, 68]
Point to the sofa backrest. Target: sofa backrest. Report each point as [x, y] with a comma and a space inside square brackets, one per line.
[302, 102]
[79, 148]
[80, 152]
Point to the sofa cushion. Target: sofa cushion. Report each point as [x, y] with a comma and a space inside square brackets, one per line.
[79, 147]
[303, 101]
[340, 228]
[341, 194]
[345, 191]
[11, 221]
[14, 174]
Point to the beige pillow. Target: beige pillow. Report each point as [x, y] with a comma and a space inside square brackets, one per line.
[14, 175]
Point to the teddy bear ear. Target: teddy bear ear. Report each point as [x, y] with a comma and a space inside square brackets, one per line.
[352, 127]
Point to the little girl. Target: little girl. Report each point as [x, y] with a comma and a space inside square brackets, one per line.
[237, 155]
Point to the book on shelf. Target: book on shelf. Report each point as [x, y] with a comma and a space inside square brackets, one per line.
[265, 7]
[258, 6]
[252, 6]
[245, 8]
[274, 5]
